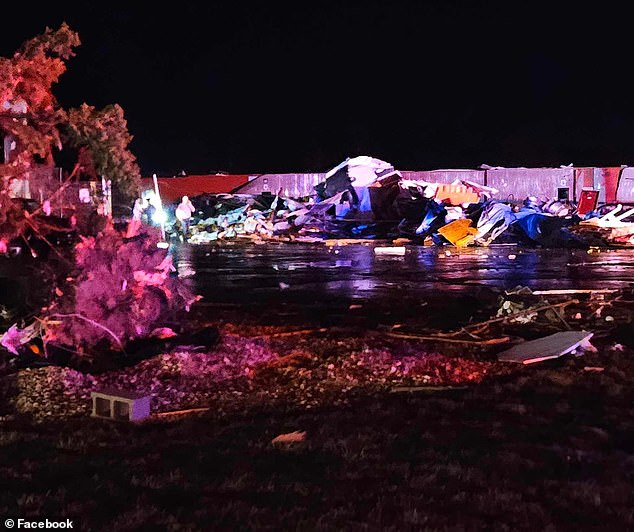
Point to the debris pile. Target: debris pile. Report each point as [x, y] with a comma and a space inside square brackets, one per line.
[611, 229]
[229, 216]
[365, 197]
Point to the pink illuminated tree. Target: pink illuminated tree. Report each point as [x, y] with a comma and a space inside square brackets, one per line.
[35, 124]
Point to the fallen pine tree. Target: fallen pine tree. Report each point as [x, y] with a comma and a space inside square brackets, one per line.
[120, 290]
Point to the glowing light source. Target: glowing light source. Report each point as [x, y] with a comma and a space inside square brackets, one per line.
[159, 217]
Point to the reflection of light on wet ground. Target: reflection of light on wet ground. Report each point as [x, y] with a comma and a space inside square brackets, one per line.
[319, 272]
[184, 263]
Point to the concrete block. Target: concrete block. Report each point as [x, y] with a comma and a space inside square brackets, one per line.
[120, 405]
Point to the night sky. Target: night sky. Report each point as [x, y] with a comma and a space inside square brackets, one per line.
[224, 86]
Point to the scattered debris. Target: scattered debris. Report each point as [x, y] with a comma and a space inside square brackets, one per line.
[426, 389]
[182, 412]
[289, 438]
[14, 338]
[446, 339]
[574, 291]
[291, 333]
[394, 250]
[162, 333]
[459, 232]
[120, 405]
[513, 308]
[552, 346]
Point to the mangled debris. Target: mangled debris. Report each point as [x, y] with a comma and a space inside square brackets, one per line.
[609, 229]
[546, 348]
[528, 328]
[367, 198]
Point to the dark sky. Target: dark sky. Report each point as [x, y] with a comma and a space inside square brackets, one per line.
[228, 86]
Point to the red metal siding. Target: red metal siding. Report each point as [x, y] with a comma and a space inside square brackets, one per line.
[584, 178]
[172, 189]
[606, 180]
[611, 177]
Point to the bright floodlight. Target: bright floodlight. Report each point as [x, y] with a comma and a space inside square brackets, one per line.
[159, 216]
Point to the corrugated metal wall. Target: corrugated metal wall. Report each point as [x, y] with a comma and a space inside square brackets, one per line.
[291, 185]
[625, 193]
[300, 185]
[518, 183]
[584, 178]
[513, 183]
[606, 181]
[445, 176]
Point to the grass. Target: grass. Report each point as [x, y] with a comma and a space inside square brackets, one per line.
[550, 446]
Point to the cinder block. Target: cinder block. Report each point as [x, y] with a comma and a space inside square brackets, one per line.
[120, 405]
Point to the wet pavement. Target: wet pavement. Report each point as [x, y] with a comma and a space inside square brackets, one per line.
[316, 284]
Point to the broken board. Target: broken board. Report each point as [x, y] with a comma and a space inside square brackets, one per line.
[389, 250]
[552, 346]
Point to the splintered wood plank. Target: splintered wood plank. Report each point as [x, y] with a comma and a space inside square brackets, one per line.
[573, 292]
[426, 389]
[552, 346]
